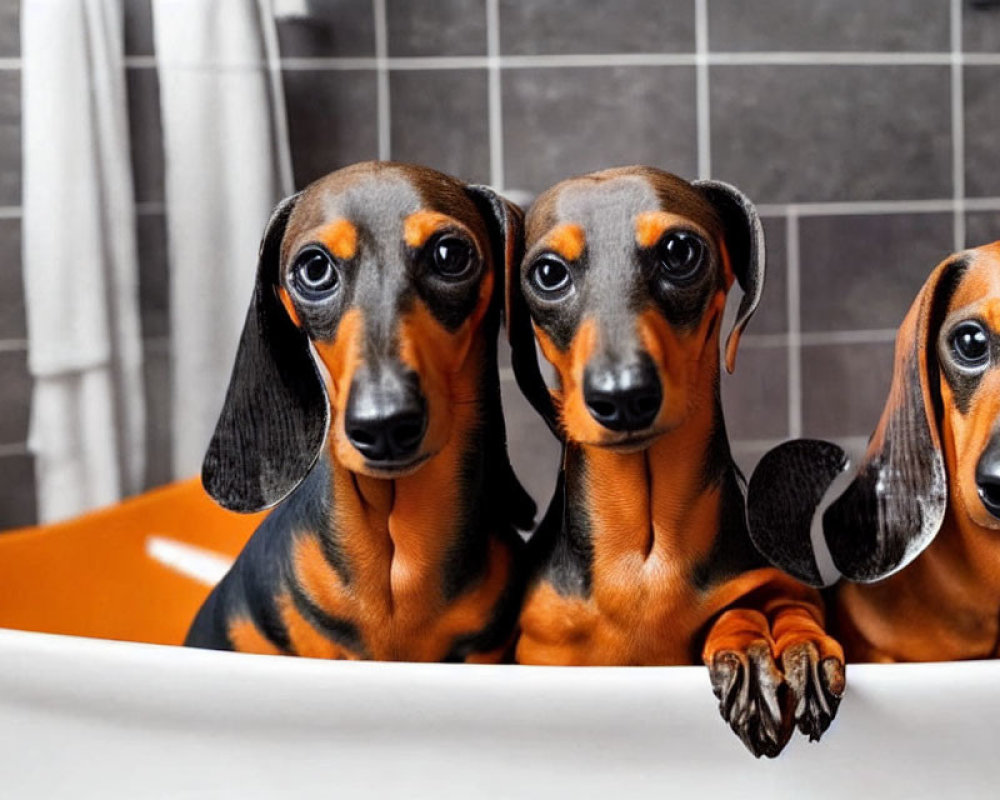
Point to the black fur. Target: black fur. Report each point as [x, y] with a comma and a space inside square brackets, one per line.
[276, 413]
[745, 242]
[787, 485]
[562, 547]
[732, 551]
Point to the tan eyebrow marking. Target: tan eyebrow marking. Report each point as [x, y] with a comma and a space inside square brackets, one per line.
[991, 313]
[568, 240]
[650, 226]
[340, 238]
[418, 226]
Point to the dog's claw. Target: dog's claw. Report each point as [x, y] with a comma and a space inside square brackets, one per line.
[748, 686]
[815, 686]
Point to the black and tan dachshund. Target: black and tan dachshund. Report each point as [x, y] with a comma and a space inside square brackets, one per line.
[365, 404]
[645, 551]
[915, 526]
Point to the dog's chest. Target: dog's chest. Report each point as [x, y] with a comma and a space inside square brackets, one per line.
[635, 557]
[394, 602]
[638, 611]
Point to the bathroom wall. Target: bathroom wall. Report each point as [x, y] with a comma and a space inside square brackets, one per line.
[864, 131]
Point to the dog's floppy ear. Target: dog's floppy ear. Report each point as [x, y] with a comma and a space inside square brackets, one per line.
[895, 506]
[787, 488]
[504, 223]
[276, 414]
[524, 360]
[895, 502]
[745, 244]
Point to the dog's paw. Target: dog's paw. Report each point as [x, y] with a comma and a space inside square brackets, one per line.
[815, 687]
[749, 687]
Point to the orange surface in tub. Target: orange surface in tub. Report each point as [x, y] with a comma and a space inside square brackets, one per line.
[93, 575]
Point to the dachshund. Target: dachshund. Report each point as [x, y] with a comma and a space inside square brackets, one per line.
[914, 528]
[643, 557]
[364, 405]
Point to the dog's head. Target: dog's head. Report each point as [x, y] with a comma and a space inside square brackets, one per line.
[375, 291]
[938, 438]
[624, 284]
[968, 352]
[937, 442]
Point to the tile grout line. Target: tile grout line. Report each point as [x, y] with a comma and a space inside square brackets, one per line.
[382, 80]
[830, 58]
[957, 125]
[703, 109]
[14, 449]
[749, 59]
[760, 341]
[845, 207]
[751, 445]
[139, 62]
[319, 64]
[13, 345]
[980, 59]
[793, 300]
[819, 209]
[494, 97]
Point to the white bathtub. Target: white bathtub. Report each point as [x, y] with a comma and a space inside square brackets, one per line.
[92, 718]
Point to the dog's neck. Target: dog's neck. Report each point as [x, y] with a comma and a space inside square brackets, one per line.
[963, 560]
[943, 606]
[663, 502]
[403, 534]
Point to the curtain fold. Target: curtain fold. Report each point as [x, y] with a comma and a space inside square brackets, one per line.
[80, 266]
[227, 164]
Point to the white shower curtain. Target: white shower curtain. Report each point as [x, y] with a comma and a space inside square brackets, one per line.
[80, 273]
[227, 164]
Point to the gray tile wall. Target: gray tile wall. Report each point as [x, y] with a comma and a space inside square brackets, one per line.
[865, 131]
[17, 480]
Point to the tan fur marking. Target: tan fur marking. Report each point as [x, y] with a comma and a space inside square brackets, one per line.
[420, 225]
[306, 641]
[341, 358]
[340, 238]
[286, 301]
[567, 240]
[318, 579]
[246, 638]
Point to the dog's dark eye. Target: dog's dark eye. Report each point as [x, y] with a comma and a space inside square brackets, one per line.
[314, 275]
[680, 255]
[550, 275]
[453, 258]
[971, 345]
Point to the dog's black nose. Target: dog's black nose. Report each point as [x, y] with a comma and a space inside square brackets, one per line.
[624, 396]
[988, 477]
[386, 414]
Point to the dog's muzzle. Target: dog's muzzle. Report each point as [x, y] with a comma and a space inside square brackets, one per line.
[988, 477]
[386, 415]
[623, 396]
